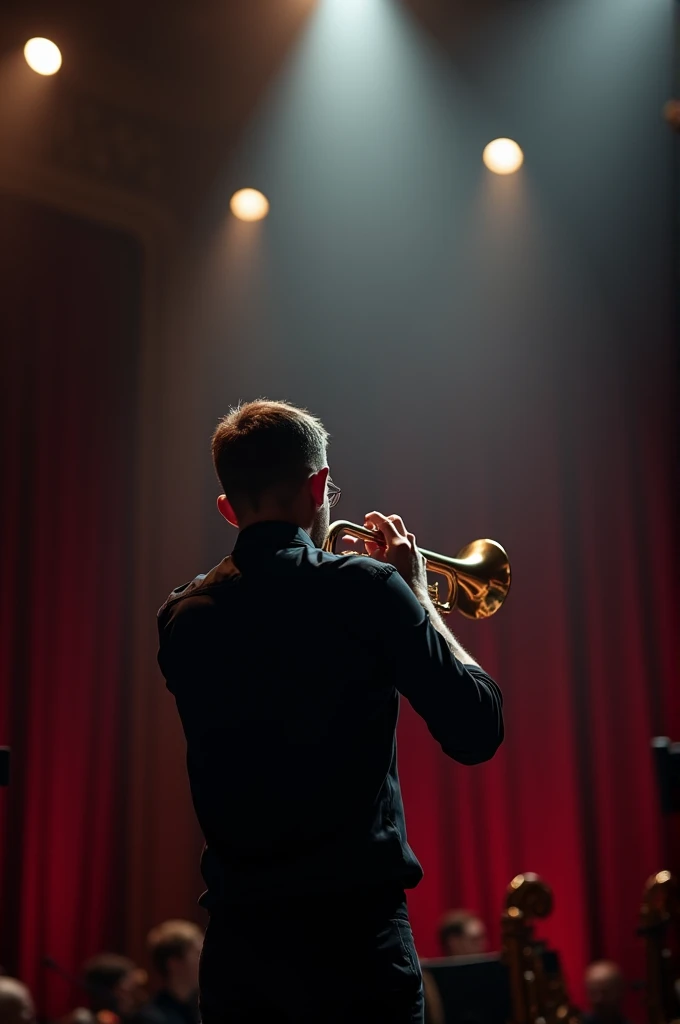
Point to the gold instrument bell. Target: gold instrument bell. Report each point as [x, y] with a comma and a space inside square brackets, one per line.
[478, 578]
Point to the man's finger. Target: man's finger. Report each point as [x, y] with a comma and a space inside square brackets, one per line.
[382, 523]
[399, 524]
[372, 548]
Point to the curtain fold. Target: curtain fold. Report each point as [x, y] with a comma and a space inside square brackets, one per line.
[69, 324]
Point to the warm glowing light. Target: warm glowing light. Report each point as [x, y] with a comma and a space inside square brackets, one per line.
[42, 56]
[249, 204]
[503, 156]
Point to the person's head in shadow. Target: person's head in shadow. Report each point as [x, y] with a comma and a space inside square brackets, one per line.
[175, 951]
[462, 933]
[606, 989]
[112, 983]
[16, 1004]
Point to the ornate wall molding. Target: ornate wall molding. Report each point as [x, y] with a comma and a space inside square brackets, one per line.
[111, 146]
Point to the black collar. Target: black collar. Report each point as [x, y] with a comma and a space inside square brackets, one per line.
[270, 537]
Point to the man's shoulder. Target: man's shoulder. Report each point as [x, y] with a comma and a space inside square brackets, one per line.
[197, 599]
[383, 585]
[360, 567]
[201, 592]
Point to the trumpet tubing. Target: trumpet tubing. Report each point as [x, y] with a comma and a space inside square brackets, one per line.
[478, 578]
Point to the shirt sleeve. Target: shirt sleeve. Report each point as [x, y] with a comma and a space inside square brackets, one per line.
[461, 705]
[186, 635]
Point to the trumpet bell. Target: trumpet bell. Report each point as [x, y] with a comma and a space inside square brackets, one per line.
[482, 577]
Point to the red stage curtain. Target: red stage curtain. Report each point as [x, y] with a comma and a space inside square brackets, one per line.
[580, 488]
[69, 339]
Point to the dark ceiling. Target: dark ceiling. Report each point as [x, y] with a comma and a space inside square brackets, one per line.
[180, 60]
[187, 74]
[204, 62]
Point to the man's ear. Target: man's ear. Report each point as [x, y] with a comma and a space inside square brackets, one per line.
[317, 485]
[225, 509]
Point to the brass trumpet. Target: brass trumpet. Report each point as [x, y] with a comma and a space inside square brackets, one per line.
[478, 578]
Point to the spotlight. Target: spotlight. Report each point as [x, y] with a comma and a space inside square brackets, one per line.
[249, 204]
[43, 56]
[503, 156]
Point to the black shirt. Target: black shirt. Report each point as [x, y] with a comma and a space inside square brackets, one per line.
[286, 664]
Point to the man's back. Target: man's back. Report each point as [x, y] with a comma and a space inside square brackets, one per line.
[285, 663]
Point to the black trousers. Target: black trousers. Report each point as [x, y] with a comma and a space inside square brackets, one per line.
[349, 959]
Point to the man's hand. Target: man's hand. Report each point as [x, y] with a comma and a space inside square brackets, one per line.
[399, 550]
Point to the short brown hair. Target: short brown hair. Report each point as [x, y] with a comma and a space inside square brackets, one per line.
[263, 446]
[171, 939]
